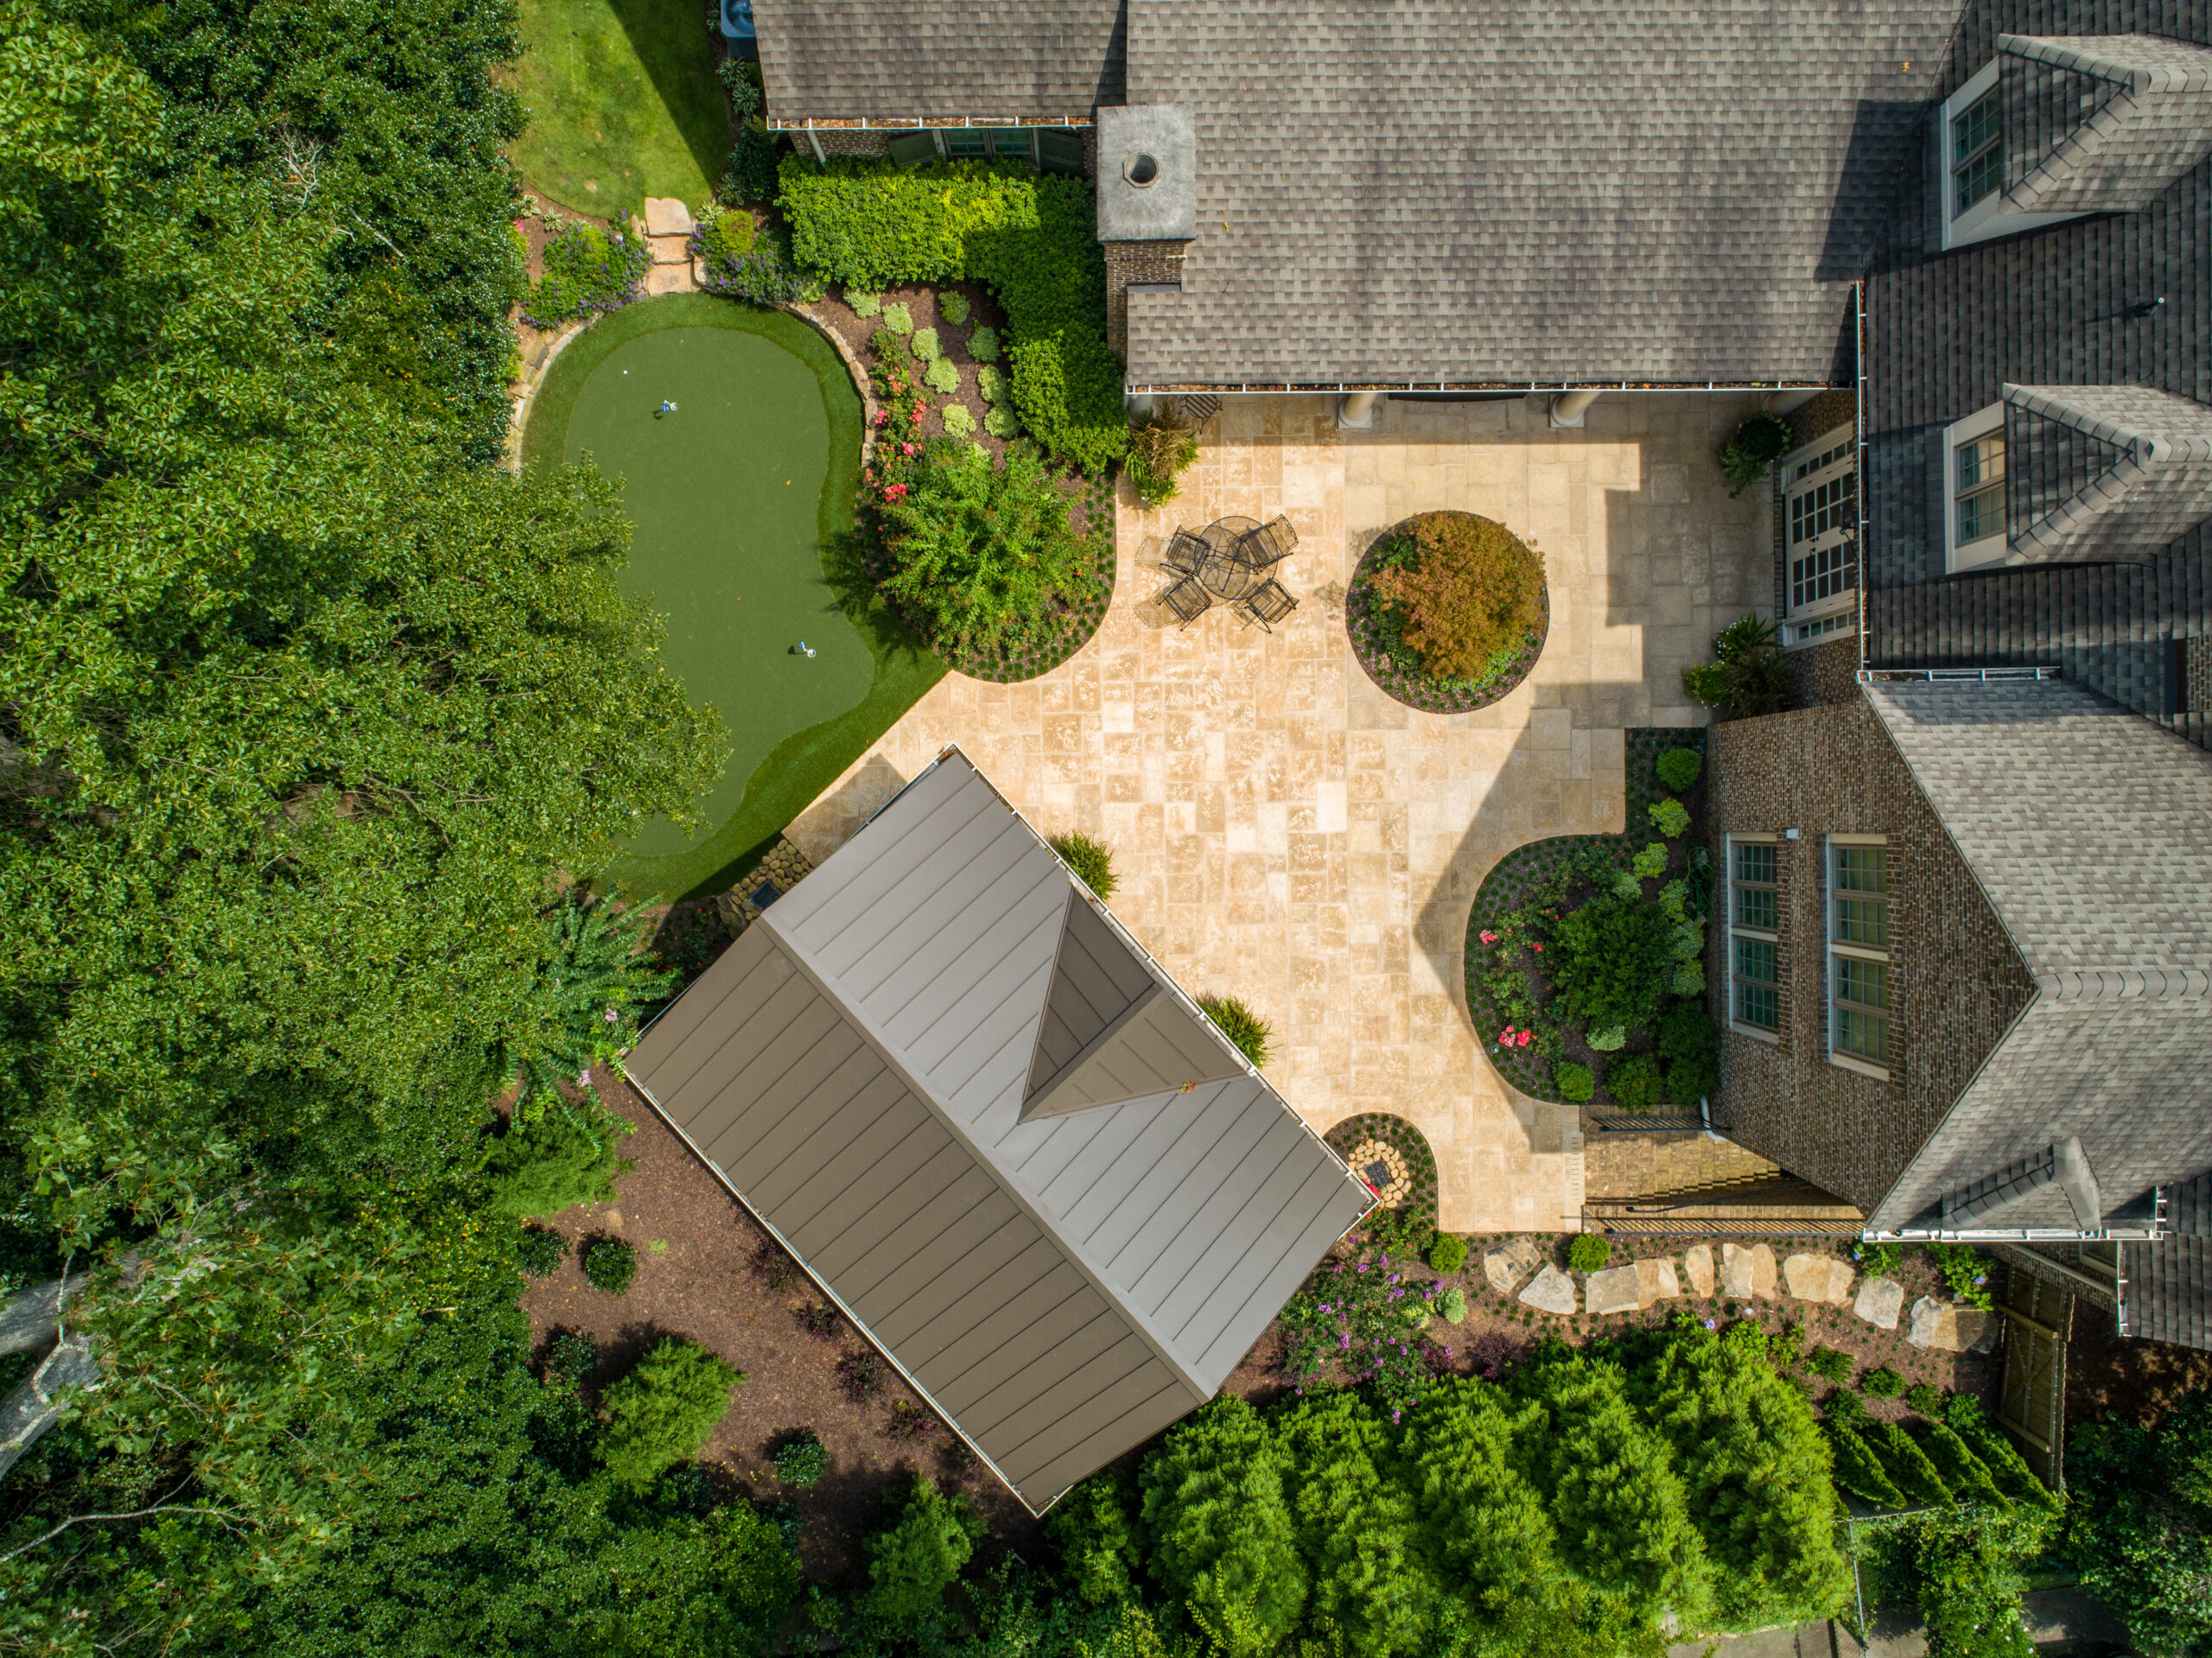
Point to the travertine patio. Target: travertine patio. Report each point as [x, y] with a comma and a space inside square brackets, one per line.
[1284, 832]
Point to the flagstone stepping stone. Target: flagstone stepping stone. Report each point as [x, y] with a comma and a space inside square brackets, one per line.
[1747, 1272]
[1613, 1290]
[1697, 1266]
[1880, 1300]
[1511, 1262]
[1553, 1290]
[1817, 1278]
[1656, 1281]
[667, 216]
[1947, 1329]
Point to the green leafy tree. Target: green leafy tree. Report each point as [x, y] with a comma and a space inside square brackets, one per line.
[2141, 1527]
[1355, 1527]
[1967, 1567]
[1217, 1528]
[918, 1557]
[564, 1155]
[664, 1412]
[583, 1002]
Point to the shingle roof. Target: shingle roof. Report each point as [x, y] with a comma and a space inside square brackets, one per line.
[937, 59]
[1525, 192]
[855, 1067]
[2058, 306]
[2124, 115]
[2169, 1288]
[2090, 832]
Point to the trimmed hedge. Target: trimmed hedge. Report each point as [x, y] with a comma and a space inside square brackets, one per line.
[1032, 237]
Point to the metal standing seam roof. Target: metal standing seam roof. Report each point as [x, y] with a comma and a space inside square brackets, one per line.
[1004, 1142]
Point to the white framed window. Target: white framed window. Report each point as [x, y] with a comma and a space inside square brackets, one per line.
[1755, 935]
[1819, 537]
[1970, 137]
[1974, 489]
[1861, 993]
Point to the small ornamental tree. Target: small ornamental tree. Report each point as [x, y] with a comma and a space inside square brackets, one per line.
[664, 1412]
[1217, 1530]
[915, 1560]
[1468, 592]
[2141, 1530]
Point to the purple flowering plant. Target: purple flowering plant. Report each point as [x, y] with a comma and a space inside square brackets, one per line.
[1350, 1324]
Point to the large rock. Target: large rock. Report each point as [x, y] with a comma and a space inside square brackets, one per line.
[1697, 1266]
[1817, 1278]
[1947, 1329]
[1656, 1281]
[1552, 1291]
[1613, 1290]
[1880, 1300]
[667, 216]
[1747, 1272]
[1511, 1262]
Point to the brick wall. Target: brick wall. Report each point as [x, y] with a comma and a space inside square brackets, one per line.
[1956, 984]
[1135, 262]
[1827, 673]
[1827, 410]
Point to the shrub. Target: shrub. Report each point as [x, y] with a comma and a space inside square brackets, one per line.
[1748, 676]
[1611, 1039]
[984, 347]
[589, 272]
[1844, 1408]
[1669, 817]
[1448, 1254]
[860, 1375]
[801, 1460]
[541, 1251]
[1650, 863]
[913, 1561]
[1906, 1463]
[1223, 1541]
[1688, 980]
[1925, 1399]
[1678, 768]
[1876, 1260]
[1091, 861]
[1689, 1047]
[942, 376]
[952, 306]
[765, 275]
[1588, 1252]
[925, 344]
[1881, 1382]
[1625, 884]
[897, 318]
[571, 1356]
[1611, 961]
[956, 421]
[1970, 1571]
[742, 80]
[1966, 1272]
[1001, 421]
[664, 1412]
[1247, 1031]
[1093, 1528]
[1467, 592]
[981, 550]
[1761, 441]
[1829, 1362]
[564, 1157]
[1159, 451]
[1634, 1082]
[1857, 1471]
[1572, 1083]
[771, 1268]
[609, 1264]
[1962, 1469]
[752, 160]
[862, 303]
[990, 384]
[726, 235]
[819, 1320]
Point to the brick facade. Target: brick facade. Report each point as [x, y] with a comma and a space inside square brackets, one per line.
[1135, 262]
[1827, 673]
[1956, 983]
[1837, 406]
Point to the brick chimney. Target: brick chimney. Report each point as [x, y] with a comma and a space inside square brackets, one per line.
[1148, 202]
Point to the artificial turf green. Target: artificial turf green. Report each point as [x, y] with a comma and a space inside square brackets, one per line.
[743, 562]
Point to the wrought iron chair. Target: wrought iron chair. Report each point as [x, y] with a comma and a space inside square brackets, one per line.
[1267, 604]
[1184, 553]
[1187, 600]
[1268, 545]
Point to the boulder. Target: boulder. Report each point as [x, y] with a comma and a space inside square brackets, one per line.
[667, 216]
[1613, 1290]
[1511, 1262]
[1948, 1329]
[1552, 1291]
[1656, 1281]
[1817, 1278]
[1747, 1272]
[1880, 1301]
[1697, 1265]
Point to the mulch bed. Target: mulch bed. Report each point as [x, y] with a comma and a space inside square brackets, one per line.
[1402, 1136]
[1414, 689]
[2111, 1374]
[1518, 874]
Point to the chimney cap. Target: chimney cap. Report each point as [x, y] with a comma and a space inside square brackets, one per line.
[1147, 174]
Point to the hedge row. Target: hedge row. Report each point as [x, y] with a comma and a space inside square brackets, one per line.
[871, 225]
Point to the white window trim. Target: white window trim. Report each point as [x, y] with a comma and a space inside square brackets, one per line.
[1832, 949]
[1989, 216]
[1988, 549]
[1728, 845]
[1835, 604]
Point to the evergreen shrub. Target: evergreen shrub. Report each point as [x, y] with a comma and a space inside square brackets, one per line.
[1573, 1083]
[1448, 1254]
[1633, 1081]
[541, 1251]
[1588, 1252]
[801, 1460]
[610, 1264]
[664, 1412]
[1678, 768]
[952, 306]
[564, 1157]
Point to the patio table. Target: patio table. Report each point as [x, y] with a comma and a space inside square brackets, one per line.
[1222, 572]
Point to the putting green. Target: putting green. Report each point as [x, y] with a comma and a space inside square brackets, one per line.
[734, 494]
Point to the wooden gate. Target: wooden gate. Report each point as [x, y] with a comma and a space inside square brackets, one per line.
[2040, 1315]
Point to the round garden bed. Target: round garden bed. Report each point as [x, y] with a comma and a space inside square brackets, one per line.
[1393, 1157]
[1469, 590]
[1515, 933]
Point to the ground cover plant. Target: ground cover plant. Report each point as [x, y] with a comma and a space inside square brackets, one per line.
[1584, 955]
[589, 272]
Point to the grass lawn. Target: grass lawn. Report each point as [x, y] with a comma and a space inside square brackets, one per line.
[623, 104]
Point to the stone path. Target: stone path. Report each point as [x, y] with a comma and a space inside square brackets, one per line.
[1284, 832]
[669, 225]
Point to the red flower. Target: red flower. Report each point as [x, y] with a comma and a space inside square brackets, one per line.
[908, 448]
[1521, 1040]
[1539, 949]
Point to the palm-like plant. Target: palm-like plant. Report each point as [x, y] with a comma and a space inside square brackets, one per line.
[583, 1005]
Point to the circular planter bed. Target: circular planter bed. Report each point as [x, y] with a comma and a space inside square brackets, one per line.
[1518, 879]
[1393, 1157]
[1393, 666]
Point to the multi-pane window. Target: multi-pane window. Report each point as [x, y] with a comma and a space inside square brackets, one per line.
[1754, 933]
[1821, 533]
[1978, 486]
[1859, 951]
[1977, 153]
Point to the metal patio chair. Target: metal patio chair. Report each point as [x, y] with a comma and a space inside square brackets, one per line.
[1185, 553]
[1267, 604]
[1268, 545]
[1187, 600]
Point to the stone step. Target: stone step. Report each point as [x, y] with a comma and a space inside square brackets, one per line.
[670, 250]
[667, 216]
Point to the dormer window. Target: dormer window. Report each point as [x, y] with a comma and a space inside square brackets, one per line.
[1977, 153]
